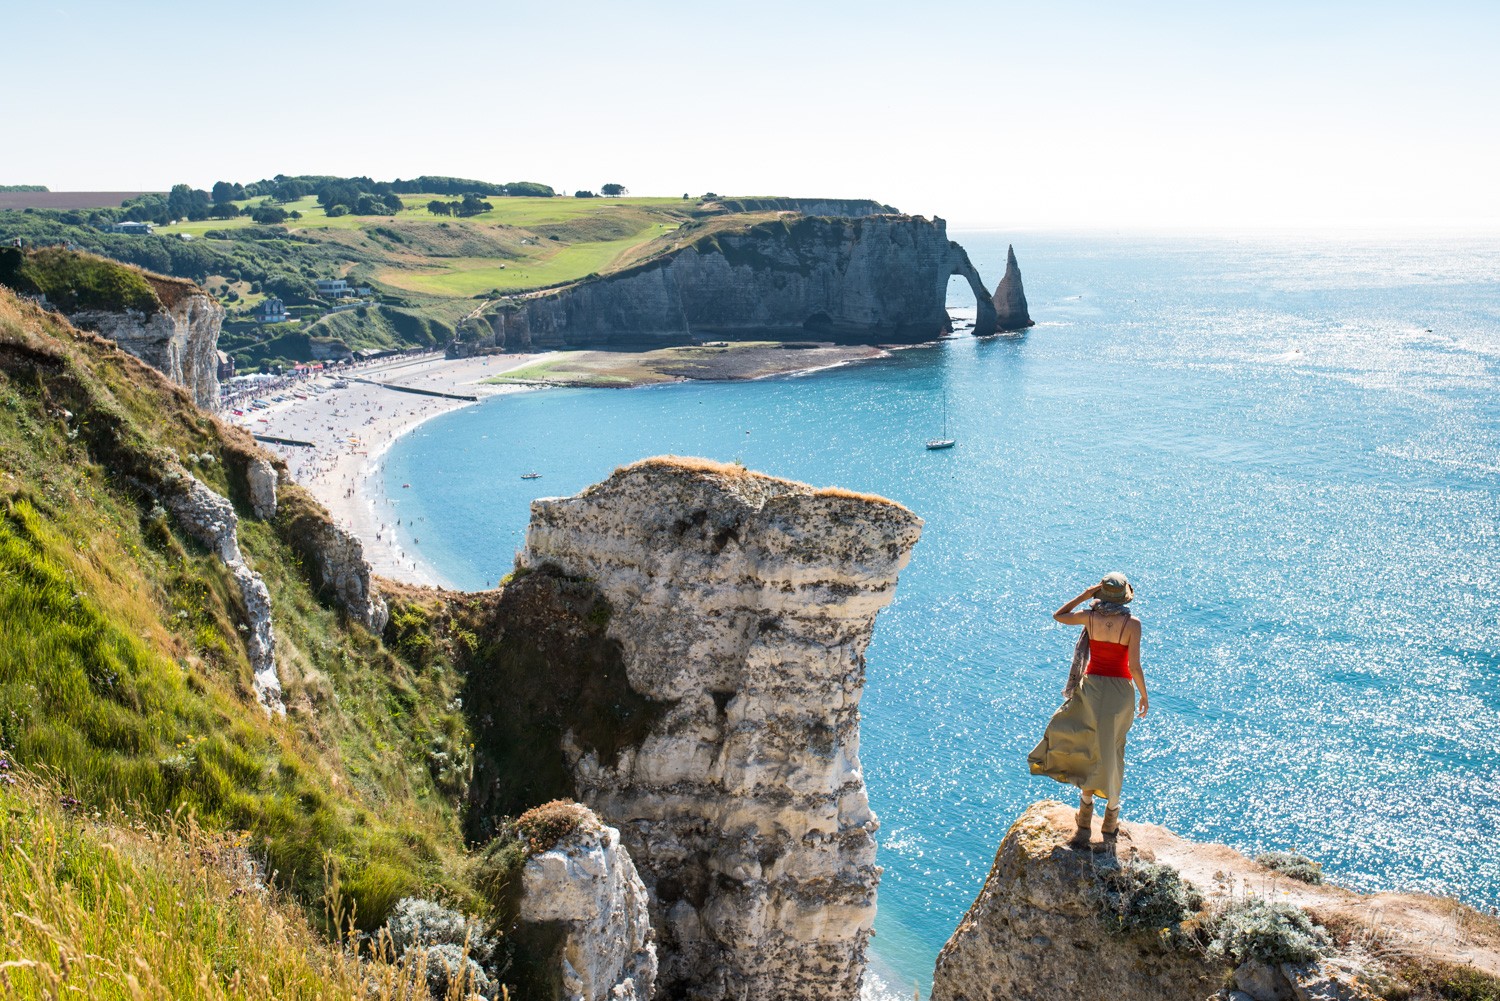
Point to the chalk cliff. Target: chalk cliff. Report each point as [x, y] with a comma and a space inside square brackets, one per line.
[1166, 919]
[1010, 298]
[873, 278]
[169, 323]
[334, 558]
[181, 340]
[741, 606]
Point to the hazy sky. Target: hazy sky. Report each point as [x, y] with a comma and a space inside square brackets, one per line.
[1036, 115]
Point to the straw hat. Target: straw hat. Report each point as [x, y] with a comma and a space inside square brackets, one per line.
[1114, 587]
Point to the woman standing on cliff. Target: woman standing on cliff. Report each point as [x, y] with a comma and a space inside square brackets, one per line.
[1084, 744]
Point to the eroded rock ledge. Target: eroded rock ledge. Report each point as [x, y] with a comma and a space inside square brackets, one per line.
[1048, 925]
[741, 606]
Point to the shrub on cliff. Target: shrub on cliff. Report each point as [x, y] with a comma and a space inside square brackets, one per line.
[1266, 931]
[1146, 895]
[416, 922]
[1292, 864]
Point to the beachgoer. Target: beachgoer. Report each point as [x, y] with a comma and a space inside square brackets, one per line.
[1084, 744]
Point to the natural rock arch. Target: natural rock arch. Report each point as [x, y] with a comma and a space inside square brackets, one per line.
[985, 317]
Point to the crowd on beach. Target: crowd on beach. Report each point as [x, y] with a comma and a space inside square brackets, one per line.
[347, 428]
[244, 388]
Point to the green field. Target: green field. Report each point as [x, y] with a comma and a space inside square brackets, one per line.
[520, 212]
[524, 242]
[474, 276]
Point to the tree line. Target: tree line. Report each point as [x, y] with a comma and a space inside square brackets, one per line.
[337, 195]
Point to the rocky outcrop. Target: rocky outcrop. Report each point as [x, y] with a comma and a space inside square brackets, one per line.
[1037, 932]
[587, 886]
[1010, 297]
[334, 558]
[1054, 921]
[873, 279]
[260, 482]
[210, 518]
[181, 340]
[741, 605]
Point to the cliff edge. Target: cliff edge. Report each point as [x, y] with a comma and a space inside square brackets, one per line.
[170, 324]
[1166, 919]
[874, 278]
[741, 606]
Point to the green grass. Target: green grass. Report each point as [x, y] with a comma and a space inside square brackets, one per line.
[474, 276]
[122, 669]
[592, 235]
[78, 281]
[520, 212]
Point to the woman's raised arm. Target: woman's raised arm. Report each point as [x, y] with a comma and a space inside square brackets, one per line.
[1068, 617]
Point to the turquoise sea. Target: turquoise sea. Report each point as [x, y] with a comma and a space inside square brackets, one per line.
[1291, 446]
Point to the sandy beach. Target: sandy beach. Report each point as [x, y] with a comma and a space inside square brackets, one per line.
[352, 428]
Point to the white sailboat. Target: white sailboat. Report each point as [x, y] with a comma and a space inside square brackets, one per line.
[933, 444]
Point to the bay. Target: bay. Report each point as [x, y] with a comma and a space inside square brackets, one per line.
[1290, 445]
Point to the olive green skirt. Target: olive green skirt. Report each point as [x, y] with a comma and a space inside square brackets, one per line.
[1084, 744]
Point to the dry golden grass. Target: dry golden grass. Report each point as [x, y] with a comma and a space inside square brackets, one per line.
[103, 907]
[734, 471]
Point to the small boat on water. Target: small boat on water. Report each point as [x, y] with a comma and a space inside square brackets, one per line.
[933, 444]
[531, 476]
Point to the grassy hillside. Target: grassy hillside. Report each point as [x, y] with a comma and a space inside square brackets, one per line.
[372, 327]
[430, 265]
[96, 904]
[123, 669]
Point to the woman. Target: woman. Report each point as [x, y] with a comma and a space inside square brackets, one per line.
[1085, 742]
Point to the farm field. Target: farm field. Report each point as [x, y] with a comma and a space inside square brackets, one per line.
[474, 276]
[520, 212]
[521, 243]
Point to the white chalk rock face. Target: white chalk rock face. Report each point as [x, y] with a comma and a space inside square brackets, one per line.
[260, 477]
[588, 884]
[877, 277]
[181, 341]
[209, 517]
[745, 604]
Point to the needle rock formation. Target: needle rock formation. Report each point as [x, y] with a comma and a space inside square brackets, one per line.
[1010, 298]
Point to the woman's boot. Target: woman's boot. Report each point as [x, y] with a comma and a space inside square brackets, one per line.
[1111, 825]
[1110, 828]
[1084, 819]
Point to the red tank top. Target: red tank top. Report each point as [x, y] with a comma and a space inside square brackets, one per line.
[1108, 660]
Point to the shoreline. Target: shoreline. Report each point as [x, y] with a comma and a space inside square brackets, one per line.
[352, 430]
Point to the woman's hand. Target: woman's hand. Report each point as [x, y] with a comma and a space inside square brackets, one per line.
[1092, 592]
[1143, 708]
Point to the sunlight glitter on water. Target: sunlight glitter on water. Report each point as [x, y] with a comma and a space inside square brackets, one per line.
[1302, 480]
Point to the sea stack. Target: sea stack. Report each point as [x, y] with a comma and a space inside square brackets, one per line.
[1010, 298]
